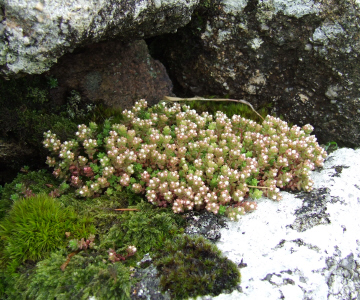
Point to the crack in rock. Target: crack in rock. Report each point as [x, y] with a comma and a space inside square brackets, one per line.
[313, 210]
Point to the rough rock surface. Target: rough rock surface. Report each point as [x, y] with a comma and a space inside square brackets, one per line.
[198, 223]
[115, 73]
[301, 57]
[34, 34]
[305, 247]
[206, 224]
[149, 286]
[9, 159]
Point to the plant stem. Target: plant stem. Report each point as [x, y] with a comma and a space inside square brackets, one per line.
[168, 98]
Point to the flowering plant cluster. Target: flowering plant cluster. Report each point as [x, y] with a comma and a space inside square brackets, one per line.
[114, 257]
[190, 161]
[76, 244]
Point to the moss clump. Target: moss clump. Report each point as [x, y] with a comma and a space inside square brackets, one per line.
[101, 210]
[191, 267]
[147, 229]
[101, 113]
[229, 108]
[86, 275]
[90, 273]
[35, 226]
[34, 182]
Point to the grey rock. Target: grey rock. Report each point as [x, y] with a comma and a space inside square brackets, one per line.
[36, 33]
[348, 262]
[12, 157]
[301, 57]
[343, 277]
[113, 72]
[311, 261]
[313, 210]
[148, 286]
[206, 224]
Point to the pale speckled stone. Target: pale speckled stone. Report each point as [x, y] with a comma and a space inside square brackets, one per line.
[234, 6]
[37, 33]
[318, 263]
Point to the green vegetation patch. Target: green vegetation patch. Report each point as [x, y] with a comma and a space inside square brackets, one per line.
[24, 185]
[147, 229]
[229, 108]
[35, 226]
[101, 210]
[191, 267]
[86, 275]
[179, 158]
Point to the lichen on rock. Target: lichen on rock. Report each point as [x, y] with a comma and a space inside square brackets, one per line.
[306, 54]
[37, 33]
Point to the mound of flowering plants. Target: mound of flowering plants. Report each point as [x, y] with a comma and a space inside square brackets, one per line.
[189, 161]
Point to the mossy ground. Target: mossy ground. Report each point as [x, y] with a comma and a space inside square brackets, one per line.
[35, 226]
[33, 272]
[89, 272]
[192, 267]
[25, 182]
